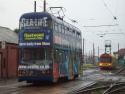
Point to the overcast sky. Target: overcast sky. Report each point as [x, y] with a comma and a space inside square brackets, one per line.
[86, 12]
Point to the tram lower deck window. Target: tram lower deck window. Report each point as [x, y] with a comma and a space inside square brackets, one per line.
[33, 54]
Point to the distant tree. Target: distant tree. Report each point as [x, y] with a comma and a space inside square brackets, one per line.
[16, 30]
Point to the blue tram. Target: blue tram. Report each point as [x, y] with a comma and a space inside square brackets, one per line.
[50, 48]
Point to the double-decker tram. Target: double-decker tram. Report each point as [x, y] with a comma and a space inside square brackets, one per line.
[50, 48]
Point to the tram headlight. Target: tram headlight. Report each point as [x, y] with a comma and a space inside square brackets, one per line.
[100, 64]
[109, 64]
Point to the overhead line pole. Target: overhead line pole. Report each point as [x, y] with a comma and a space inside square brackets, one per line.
[93, 54]
[83, 50]
[98, 53]
[118, 52]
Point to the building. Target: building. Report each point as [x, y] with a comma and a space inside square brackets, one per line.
[8, 53]
[120, 56]
[120, 53]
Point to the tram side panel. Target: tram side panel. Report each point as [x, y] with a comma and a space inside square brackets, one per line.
[68, 58]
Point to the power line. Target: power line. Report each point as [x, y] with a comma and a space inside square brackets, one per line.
[106, 6]
[101, 25]
[103, 34]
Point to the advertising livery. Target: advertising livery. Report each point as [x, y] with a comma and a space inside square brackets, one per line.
[34, 30]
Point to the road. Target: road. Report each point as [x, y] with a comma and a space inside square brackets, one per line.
[89, 76]
[14, 87]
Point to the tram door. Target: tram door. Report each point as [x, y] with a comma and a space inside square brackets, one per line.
[71, 68]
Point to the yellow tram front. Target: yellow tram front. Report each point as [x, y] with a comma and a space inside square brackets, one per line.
[106, 61]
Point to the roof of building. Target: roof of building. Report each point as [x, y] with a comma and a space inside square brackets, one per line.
[122, 51]
[8, 35]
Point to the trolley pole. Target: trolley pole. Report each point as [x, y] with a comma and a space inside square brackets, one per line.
[118, 52]
[44, 6]
[34, 6]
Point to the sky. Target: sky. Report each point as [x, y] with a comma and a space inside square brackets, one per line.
[93, 19]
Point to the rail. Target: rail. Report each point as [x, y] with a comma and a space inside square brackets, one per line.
[104, 88]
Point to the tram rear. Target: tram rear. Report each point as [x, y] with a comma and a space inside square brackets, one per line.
[35, 48]
[50, 49]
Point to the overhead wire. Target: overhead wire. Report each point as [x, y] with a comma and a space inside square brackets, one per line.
[106, 6]
[101, 25]
[114, 17]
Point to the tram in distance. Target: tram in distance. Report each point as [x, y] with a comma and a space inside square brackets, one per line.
[106, 61]
[49, 48]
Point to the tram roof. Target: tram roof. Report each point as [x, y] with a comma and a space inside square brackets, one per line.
[52, 17]
[8, 35]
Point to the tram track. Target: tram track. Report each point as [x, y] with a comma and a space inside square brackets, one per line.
[77, 91]
[115, 88]
[107, 82]
[13, 90]
[100, 88]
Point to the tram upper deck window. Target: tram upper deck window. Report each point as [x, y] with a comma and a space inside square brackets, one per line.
[60, 27]
[73, 32]
[77, 34]
[67, 29]
[56, 26]
[63, 29]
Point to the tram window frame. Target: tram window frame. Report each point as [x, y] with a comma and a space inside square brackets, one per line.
[73, 31]
[63, 30]
[26, 55]
[56, 54]
[105, 59]
[70, 32]
[67, 28]
[56, 27]
[60, 28]
[76, 35]
[36, 54]
[53, 24]
[48, 55]
[49, 23]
